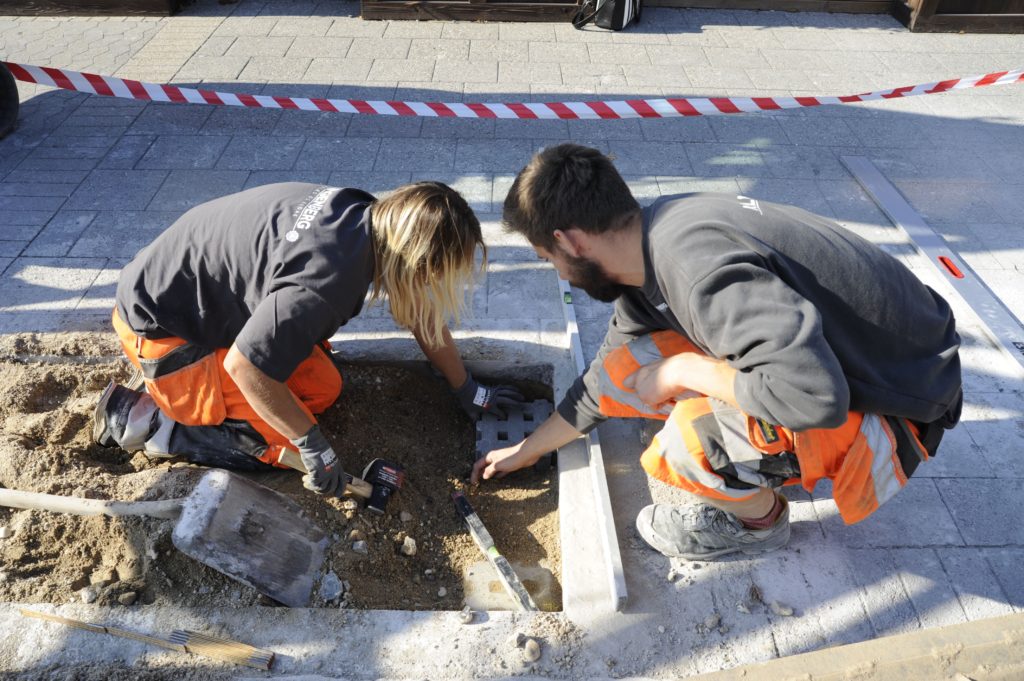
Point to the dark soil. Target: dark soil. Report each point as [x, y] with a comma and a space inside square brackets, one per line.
[402, 413]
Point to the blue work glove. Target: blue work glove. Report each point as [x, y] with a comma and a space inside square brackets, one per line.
[324, 474]
[477, 399]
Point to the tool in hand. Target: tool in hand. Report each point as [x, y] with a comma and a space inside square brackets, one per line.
[237, 527]
[380, 480]
[483, 540]
[182, 640]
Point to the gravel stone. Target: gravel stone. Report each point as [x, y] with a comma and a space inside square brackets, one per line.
[408, 547]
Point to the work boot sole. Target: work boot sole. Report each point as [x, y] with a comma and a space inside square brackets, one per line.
[100, 433]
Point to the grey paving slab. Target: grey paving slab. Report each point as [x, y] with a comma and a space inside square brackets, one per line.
[509, 285]
[409, 70]
[260, 153]
[229, 120]
[126, 152]
[995, 423]
[385, 126]
[928, 588]
[976, 586]
[491, 155]
[377, 184]
[883, 592]
[60, 234]
[12, 248]
[184, 189]
[1005, 563]
[818, 163]
[710, 160]
[261, 177]
[47, 284]
[117, 189]
[165, 119]
[337, 69]
[172, 152]
[419, 155]
[338, 154]
[121, 234]
[992, 523]
[897, 522]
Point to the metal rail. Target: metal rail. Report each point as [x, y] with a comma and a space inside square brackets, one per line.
[998, 323]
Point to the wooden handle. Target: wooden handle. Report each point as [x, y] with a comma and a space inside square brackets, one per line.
[355, 487]
[169, 508]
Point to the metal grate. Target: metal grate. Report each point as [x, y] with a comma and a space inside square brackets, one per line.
[495, 433]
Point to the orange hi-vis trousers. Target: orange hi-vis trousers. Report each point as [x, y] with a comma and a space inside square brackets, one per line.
[715, 451]
[191, 386]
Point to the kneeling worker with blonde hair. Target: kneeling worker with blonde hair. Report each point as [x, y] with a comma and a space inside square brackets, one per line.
[228, 313]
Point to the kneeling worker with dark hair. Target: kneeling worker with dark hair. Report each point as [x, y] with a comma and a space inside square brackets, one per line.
[776, 347]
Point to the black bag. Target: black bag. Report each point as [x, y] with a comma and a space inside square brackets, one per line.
[614, 15]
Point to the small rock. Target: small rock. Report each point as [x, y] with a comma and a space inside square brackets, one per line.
[531, 650]
[781, 610]
[3, 577]
[723, 630]
[349, 505]
[442, 592]
[408, 547]
[360, 547]
[467, 615]
[127, 598]
[428, 571]
[346, 586]
[5, 532]
[128, 570]
[661, 629]
[742, 607]
[330, 587]
[405, 516]
[672, 575]
[89, 594]
[103, 576]
[356, 535]
[712, 621]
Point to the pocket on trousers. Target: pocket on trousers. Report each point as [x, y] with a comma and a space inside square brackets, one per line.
[185, 384]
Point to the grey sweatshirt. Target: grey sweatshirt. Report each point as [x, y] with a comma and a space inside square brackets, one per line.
[816, 320]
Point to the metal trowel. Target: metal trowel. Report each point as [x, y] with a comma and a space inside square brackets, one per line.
[237, 527]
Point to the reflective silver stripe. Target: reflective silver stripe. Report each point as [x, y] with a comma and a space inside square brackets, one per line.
[645, 351]
[671, 446]
[883, 445]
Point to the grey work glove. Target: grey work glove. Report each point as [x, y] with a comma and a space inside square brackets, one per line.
[324, 474]
[477, 399]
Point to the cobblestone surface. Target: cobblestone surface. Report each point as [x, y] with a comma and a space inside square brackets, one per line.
[85, 182]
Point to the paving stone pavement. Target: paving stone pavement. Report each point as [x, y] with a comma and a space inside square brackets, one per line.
[85, 182]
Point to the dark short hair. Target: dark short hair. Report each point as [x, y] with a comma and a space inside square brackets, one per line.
[565, 186]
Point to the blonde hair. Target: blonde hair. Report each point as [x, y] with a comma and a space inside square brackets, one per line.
[425, 238]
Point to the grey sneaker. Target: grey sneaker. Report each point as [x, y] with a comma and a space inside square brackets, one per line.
[704, 532]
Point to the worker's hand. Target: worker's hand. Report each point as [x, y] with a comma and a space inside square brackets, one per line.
[477, 399]
[324, 474]
[497, 462]
[657, 383]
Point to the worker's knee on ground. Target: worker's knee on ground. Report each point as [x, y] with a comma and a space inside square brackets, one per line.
[316, 382]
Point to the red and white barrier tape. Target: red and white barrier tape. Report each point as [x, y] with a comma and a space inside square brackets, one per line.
[110, 86]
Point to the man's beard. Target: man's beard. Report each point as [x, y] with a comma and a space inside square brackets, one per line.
[592, 278]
